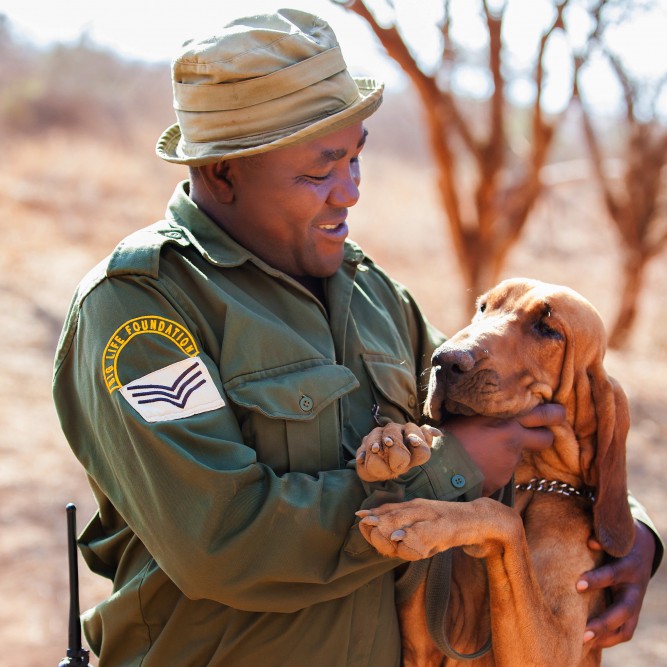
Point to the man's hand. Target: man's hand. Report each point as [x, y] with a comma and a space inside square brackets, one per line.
[496, 445]
[627, 578]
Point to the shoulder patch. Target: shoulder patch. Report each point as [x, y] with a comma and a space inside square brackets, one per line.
[147, 324]
[176, 391]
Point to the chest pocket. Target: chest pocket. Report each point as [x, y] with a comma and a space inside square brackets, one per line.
[394, 387]
[290, 415]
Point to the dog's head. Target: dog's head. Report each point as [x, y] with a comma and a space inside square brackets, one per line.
[529, 343]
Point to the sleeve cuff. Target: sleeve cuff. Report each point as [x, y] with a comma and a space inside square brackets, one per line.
[449, 474]
[640, 514]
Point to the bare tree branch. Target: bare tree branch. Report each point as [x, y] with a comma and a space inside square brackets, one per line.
[503, 187]
[632, 203]
[614, 206]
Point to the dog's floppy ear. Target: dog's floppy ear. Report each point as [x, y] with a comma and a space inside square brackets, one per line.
[613, 522]
[598, 410]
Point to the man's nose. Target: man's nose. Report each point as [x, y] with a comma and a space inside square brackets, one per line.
[345, 191]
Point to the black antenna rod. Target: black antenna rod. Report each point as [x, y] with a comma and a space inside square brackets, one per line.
[76, 654]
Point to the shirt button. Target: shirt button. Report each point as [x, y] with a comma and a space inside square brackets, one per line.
[412, 401]
[306, 403]
[458, 481]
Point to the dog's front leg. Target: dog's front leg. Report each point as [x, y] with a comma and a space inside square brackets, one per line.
[525, 630]
[539, 621]
[421, 528]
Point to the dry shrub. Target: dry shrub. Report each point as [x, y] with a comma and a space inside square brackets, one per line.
[79, 87]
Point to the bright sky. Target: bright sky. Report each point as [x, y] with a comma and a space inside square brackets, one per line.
[154, 29]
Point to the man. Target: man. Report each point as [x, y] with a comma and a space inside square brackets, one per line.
[218, 371]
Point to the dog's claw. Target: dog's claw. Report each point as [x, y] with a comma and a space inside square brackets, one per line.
[370, 520]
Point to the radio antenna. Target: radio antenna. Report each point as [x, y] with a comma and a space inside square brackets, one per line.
[76, 654]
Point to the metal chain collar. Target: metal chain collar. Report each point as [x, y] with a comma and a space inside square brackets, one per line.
[555, 486]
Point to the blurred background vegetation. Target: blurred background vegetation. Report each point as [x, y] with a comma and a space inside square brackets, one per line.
[77, 87]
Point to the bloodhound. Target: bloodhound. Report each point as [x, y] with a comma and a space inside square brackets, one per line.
[528, 343]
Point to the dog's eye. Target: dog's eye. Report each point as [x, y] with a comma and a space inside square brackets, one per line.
[545, 331]
[482, 306]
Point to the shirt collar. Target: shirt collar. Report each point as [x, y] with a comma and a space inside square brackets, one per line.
[211, 241]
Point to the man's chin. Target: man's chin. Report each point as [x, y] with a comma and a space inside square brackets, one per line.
[327, 267]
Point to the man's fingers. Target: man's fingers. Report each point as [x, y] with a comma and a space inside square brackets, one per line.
[617, 623]
[602, 577]
[594, 544]
[626, 579]
[538, 436]
[537, 439]
[546, 414]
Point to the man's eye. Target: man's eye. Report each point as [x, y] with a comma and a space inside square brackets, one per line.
[312, 177]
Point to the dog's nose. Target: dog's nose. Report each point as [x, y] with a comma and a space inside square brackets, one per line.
[454, 361]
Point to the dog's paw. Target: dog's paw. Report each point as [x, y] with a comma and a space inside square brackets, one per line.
[387, 451]
[401, 530]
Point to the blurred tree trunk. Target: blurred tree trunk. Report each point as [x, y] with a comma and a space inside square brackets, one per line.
[633, 201]
[474, 147]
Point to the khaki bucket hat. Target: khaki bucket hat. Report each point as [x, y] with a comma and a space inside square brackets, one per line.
[264, 82]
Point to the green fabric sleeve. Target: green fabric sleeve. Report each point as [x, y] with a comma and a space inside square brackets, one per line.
[640, 514]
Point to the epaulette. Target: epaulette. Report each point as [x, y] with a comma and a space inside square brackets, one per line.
[139, 253]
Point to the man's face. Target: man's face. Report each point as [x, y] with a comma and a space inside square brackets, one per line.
[290, 205]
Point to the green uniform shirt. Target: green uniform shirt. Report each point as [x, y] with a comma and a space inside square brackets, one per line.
[215, 405]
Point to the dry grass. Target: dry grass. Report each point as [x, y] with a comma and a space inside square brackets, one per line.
[63, 205]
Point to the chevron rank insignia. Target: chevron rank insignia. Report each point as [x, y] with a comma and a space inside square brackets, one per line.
[179, 390]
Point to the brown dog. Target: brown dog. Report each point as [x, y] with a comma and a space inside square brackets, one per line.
[529, 343]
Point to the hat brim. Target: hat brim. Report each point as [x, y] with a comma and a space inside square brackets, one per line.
[171, 147]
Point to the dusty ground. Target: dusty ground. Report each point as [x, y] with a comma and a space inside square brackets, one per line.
[63, 208]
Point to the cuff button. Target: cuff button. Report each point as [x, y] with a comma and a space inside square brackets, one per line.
[458, 481]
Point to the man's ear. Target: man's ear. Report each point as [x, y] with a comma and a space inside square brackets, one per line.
[212, 184]
[217, 181]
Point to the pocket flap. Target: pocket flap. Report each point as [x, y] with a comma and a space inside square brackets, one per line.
[394, 379]
[294, 392]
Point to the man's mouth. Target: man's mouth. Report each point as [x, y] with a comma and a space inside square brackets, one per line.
[334, 228]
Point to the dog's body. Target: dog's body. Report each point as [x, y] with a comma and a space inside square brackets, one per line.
[528, 343]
